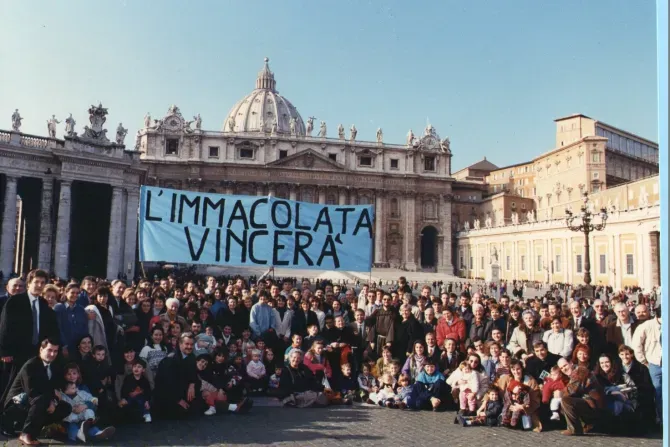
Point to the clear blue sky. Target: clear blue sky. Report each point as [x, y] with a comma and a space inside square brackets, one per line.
[491, 75]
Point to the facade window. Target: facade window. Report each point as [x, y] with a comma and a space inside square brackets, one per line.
[395, 209]
[283, 154]
[508, 263]
[429, 210]
[394, 163]
[333, 157]
[246, 152]
[603, 264]
[595, 187]
[365, 161]
[557, 267]
[523, 263]
[539, 263]
[595, 157]
[171, 146]
[213, 152]
[579, 263]
[523, 206]
[460, 260]
[630, 266]
[429, 164]
[596, 175]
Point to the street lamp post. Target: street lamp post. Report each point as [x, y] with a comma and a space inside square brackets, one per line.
[586, 226]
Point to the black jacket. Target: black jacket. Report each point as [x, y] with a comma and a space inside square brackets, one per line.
[33, 380]
[299, 322]
[297, 380]
[16, 326]
[174, 375]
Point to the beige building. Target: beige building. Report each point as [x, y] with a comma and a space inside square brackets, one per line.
[265, 147]
[69, 205]
[520, 220]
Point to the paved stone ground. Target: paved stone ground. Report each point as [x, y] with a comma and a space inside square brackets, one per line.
[355, 425]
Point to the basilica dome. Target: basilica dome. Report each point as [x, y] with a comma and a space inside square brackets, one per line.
[262, 108]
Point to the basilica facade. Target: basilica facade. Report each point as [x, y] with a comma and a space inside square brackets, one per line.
[266, 148]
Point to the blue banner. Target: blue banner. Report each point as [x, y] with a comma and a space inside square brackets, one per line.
[201, 228]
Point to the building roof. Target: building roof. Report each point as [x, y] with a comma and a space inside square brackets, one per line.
[482, 165]
[574, 115]
[264, 106]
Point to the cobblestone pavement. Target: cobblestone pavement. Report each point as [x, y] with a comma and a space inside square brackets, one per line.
[345, 426]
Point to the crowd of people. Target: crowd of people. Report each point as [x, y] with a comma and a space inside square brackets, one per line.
[79, 358]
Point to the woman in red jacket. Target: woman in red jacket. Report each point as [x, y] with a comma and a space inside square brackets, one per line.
[451, 326]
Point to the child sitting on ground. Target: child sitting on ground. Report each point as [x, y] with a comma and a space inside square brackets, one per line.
[256, 372]
[516, 399]
[488, 414]
[129, 358]
[403, 392]
[80, 424]
[552, 391]
[386, 394]
[367, 384]
[347, 385]
[136, 391]
[273, 383]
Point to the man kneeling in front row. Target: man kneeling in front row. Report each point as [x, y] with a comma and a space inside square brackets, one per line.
[43, 406]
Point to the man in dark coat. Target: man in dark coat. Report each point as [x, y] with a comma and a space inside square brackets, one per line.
[407, 332]
[38, 379]
[177, 390]
[26, 320]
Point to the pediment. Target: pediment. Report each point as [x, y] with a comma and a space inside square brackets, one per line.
[308, 159]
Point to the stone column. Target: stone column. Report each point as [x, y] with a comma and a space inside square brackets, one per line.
[46, 230]
[640, 260]
[132, 209]
[410, 232]
[618, 264]
[322, 195]
[229, 188]
[272, 190]
[116, 237]
[62, 252]
[445, 263]
[570, 273]
[655, 259]
[343, 196]
[353, 195]
[293, 192]
[8, 241]
[379, 230]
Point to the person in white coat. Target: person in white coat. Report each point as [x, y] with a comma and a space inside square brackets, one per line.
[559, 341]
